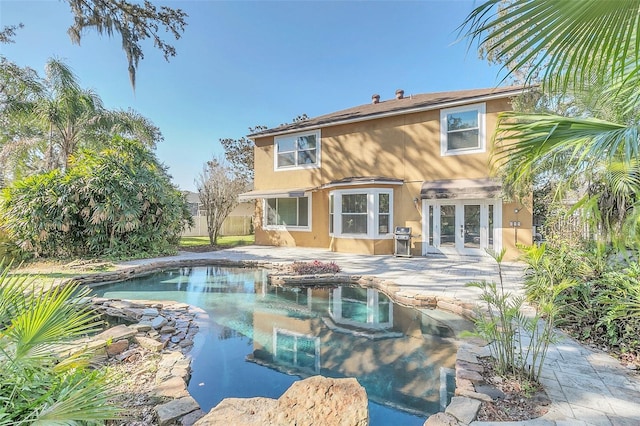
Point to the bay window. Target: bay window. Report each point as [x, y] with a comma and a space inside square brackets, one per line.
[354, 214]
[331, 213]
[362, 213]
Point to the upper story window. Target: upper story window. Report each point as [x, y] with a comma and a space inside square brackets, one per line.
[462, 130]
[301, 150]
[287, 213]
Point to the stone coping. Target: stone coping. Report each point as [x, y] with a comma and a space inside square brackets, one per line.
[166, 328]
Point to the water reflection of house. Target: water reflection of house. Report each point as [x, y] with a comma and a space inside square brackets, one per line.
[355, 332]
[239, 221]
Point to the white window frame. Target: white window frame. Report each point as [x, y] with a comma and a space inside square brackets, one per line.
[372, 303]
[297, 336]
[332, 213]
[434, 231]
[482, 139]
[372, 213]
[296, 166]
[265, 213]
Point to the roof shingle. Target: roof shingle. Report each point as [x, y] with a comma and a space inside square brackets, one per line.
[409, 103]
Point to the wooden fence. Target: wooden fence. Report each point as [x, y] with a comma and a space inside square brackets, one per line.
[232, 225]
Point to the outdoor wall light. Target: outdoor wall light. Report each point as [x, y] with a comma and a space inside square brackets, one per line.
[516, 225]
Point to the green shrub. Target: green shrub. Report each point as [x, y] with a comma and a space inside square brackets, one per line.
[618, 298]
[9, 250]
[116, 202]
[602, 305]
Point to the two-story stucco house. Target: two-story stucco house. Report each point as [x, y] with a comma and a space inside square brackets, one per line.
[344, 181]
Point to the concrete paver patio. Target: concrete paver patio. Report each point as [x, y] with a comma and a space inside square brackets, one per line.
[586, 387]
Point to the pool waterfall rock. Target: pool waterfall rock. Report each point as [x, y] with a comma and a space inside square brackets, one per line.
[156, 325]
[315, 400]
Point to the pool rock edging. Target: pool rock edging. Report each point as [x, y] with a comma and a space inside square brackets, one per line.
[411, 298]
[164, 327]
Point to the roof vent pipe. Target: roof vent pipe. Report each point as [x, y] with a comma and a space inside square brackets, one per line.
[375, 99]
[399, 94]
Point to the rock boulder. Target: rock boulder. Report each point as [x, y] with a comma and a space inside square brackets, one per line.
[316, 400]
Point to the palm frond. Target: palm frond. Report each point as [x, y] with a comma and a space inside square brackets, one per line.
[84, 398]
[60, 76]
[625, 92]
[572, 41]
[54, 316]
[523, 139]
[129, 123]
[12, 297]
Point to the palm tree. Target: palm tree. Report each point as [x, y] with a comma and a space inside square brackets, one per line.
[587, 49]
[37, 384]
[54, 122]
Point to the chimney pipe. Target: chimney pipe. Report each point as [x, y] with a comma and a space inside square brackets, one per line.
[375, 99]
[399, 94]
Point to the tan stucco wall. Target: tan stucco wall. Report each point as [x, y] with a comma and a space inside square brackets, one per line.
[524, 231]
[405, 213]
[405, 147]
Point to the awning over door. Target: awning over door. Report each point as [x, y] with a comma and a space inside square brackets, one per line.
[461, 189]
[273, 193]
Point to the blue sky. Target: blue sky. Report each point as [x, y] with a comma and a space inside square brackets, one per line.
[242, 63]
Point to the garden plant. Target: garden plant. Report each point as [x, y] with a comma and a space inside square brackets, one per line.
[518, 339]
[115, 202]
[315, 267]
[39, 385]
[603, 305]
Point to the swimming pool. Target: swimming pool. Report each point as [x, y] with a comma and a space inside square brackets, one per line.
[261, 338]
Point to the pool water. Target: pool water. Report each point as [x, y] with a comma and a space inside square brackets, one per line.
[262, 338]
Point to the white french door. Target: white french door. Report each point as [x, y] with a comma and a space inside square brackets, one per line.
[468, 227]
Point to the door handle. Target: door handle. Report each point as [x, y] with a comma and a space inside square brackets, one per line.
[461, 231]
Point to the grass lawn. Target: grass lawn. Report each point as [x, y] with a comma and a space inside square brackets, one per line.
[226, 241]
[47, 273]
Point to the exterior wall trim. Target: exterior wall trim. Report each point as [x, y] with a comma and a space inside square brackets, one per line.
[347, 184]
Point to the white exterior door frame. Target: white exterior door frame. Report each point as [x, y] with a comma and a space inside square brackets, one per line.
[441, 238]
